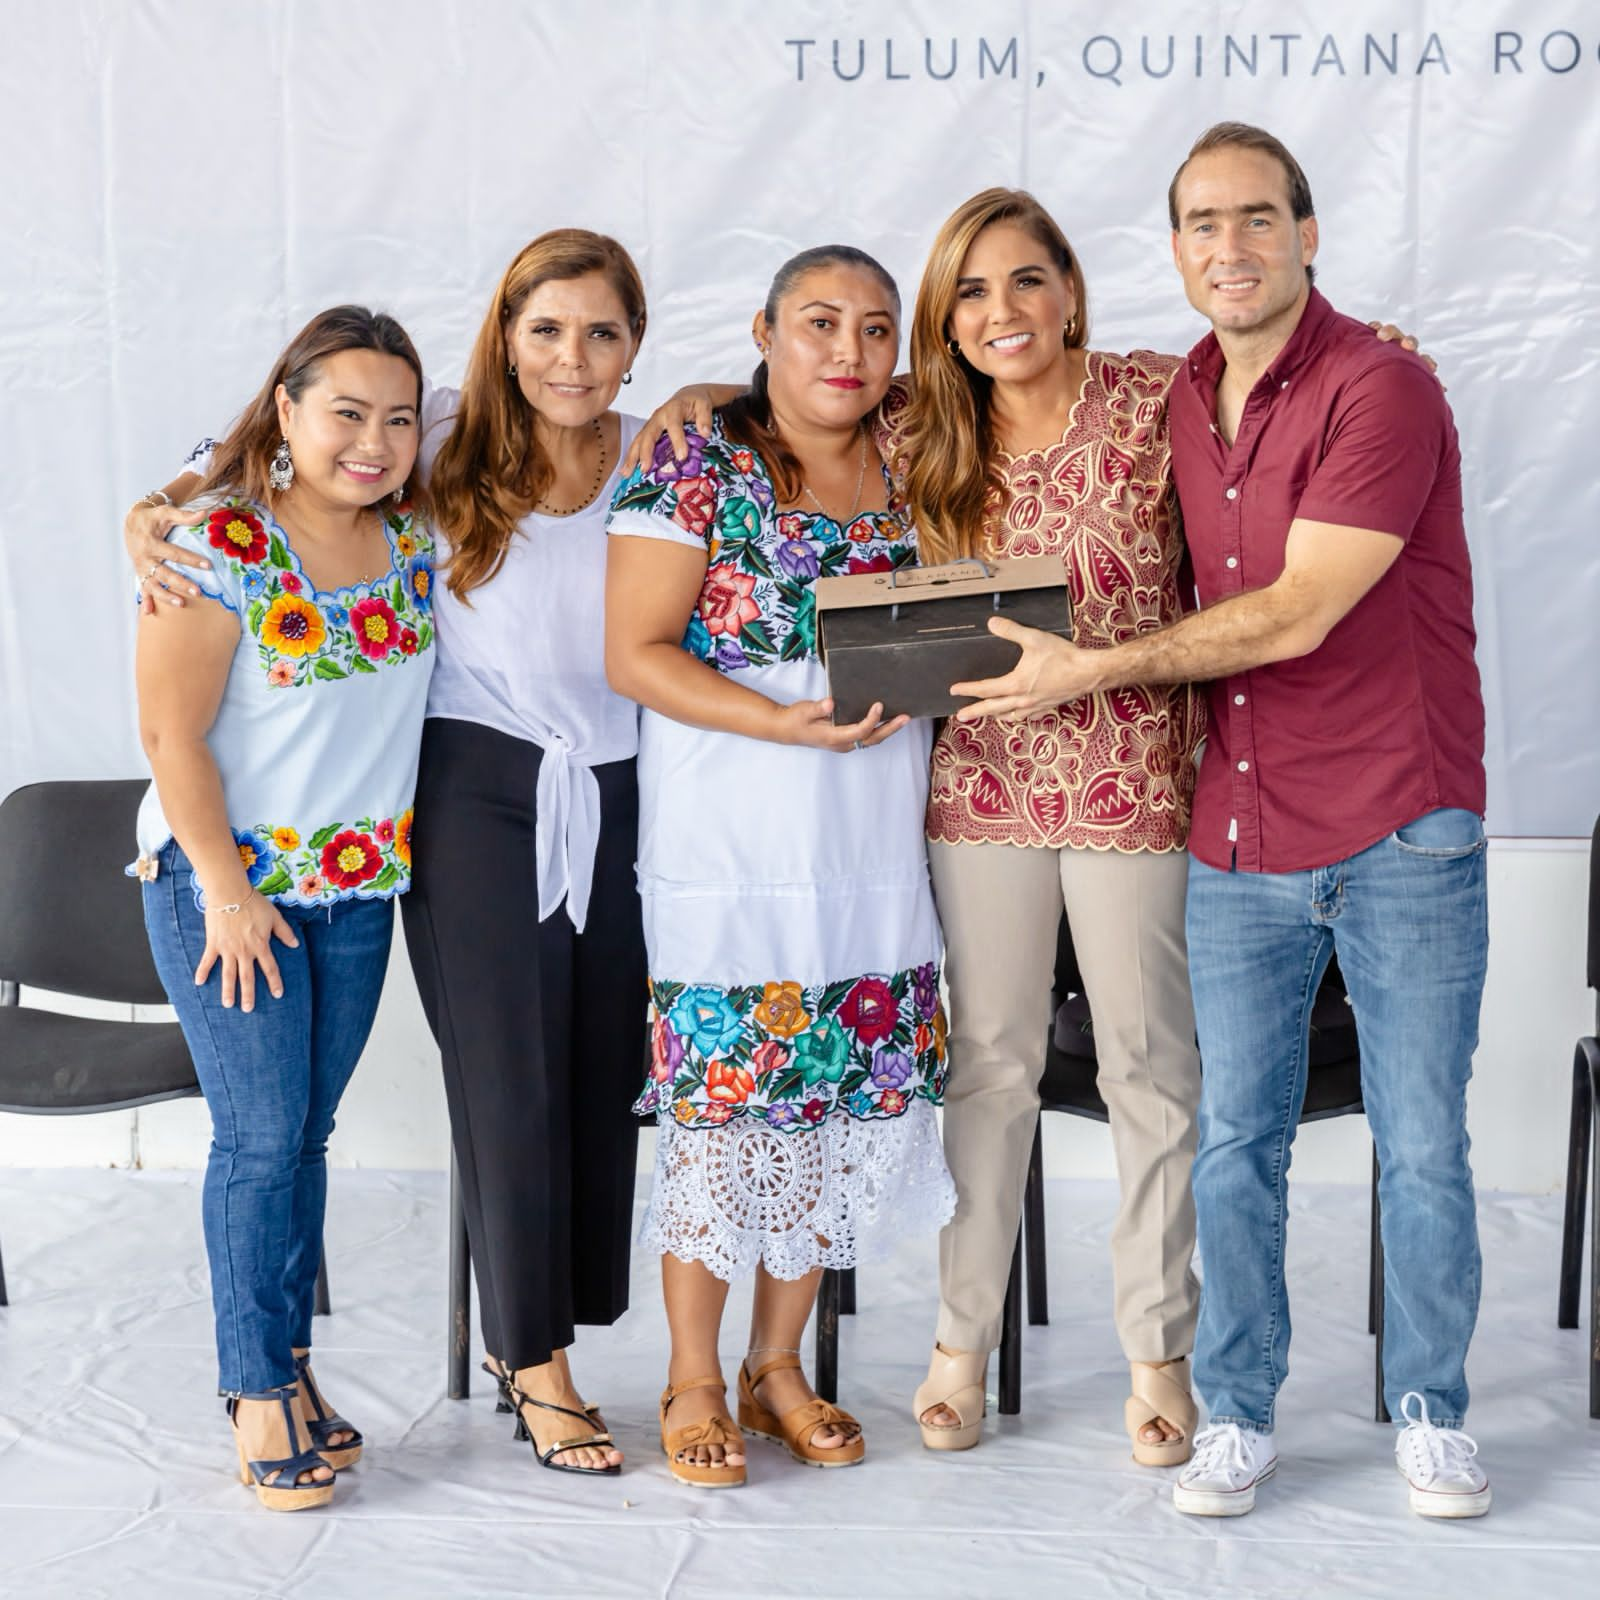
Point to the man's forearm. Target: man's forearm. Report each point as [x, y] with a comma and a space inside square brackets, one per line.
[1244, 631]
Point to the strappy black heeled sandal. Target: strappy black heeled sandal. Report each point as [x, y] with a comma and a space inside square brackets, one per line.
[545, 1457]
[504, 1403]
[324, 1425]
[287, 1493]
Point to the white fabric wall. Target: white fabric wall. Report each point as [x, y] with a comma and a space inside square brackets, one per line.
[185, 183]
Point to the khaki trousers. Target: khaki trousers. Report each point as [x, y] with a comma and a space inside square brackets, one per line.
[1001, 906]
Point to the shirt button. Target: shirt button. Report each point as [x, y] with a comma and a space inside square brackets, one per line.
[1233, 494]
[1238, 699]
[1244, 766]
[1233, 561]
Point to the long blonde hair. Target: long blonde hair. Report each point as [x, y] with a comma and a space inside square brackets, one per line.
[952, 472]
[490, 471]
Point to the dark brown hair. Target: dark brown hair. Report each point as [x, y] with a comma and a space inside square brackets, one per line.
[490, 471]
[239, 464]
[951, 469]
[747, 420]
[1242, 136]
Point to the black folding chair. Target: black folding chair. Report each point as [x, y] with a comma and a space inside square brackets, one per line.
[71, 922]
[1583, 1151]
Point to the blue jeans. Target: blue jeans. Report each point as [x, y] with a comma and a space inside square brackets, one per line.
[1408, 918]
[272, 1079]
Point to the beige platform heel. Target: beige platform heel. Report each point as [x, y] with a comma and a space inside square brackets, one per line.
[1160, 1392]
[956, 1380]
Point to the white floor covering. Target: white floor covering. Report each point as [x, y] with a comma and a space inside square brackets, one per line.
[114, 1457]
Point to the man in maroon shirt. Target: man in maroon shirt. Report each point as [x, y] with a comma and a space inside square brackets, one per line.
[1338, 807]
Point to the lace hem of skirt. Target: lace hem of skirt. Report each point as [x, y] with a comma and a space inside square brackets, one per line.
[745, 1193]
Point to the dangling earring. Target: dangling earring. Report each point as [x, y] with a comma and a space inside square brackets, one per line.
[280, 472]
[627, 377]
[399, 496]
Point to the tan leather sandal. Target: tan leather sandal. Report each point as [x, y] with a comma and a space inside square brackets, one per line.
[956, 1379]
[793, 1430]
[1160, 1392]
[716, 1429]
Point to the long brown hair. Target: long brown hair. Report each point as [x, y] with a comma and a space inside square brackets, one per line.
[747, 420]
[239, 464]
[490, 471]
[952, 471]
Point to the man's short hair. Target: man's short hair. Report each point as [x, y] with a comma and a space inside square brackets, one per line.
[1242, 136]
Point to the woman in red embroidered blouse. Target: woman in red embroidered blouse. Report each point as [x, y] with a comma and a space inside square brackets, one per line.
[1014, 439]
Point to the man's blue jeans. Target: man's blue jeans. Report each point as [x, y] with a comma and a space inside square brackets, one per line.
[1408, 918]
[272, 1078]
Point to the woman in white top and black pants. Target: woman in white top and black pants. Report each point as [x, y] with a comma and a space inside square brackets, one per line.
[523, 922]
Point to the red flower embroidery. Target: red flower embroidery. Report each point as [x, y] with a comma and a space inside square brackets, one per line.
[385, 831]
[729, 1083]
[290, 583]
[893, 1102]
[877, 563]
[237, 533]
[408, 641]
[375, 626]
[870, 1010]
[350, 859]
[725, 603]
[696, 505]
[814, 1110]
[768, 1056]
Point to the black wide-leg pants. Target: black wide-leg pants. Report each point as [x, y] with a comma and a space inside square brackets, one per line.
[542, 1034]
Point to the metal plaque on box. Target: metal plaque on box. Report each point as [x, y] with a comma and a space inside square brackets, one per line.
[904, 637]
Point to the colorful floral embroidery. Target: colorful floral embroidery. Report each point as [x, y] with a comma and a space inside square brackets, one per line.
[306, 636]
[790, 1054]
[756, 604]
[369, 857]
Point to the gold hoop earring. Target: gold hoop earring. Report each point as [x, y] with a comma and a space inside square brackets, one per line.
[1070, 330]
[954, 346]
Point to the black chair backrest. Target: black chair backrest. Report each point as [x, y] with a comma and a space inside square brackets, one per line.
[70, 918]
[1333, 1082]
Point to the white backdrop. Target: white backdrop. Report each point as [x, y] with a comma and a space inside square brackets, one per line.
[186, 182]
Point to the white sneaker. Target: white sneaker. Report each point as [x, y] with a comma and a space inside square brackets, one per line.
[1440, 1466]
[1221, 1477]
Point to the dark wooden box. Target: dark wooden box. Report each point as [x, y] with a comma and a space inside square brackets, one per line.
[904, 637]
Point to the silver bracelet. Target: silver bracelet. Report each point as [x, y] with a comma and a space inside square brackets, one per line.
[158, 497]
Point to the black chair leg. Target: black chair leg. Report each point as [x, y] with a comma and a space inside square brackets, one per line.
[1011, 1338]
[1380, 1408]
[828, 1336]
[847, 1291]
[1033, 1233]
[1591, 1049]
[3, 1300]
[320, 1306]
[1578, 1138]
[458, 1381]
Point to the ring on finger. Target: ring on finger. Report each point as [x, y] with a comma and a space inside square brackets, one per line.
[155, 567]
[857, 745]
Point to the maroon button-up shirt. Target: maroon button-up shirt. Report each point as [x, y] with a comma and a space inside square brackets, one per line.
[1309, 761]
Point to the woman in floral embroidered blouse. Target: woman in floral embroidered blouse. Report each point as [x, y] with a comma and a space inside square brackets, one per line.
[282, 726]
[1014, 439]
[798, 1037]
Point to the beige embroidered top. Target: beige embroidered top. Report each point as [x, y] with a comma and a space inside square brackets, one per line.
[1113, 771]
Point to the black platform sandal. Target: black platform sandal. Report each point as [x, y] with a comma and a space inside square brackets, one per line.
[323, 1426]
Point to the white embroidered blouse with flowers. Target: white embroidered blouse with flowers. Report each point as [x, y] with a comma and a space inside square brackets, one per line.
[317, 732]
